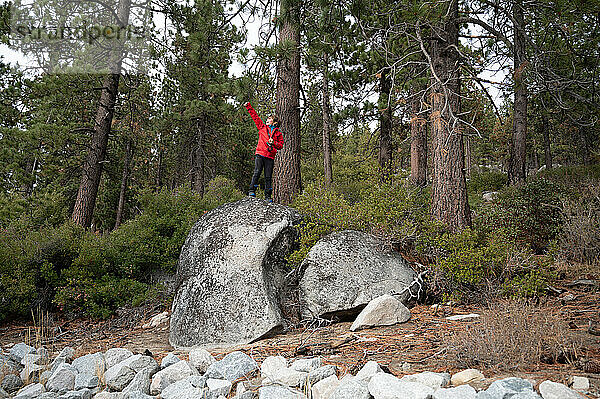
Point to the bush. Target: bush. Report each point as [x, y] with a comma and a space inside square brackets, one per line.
[31, 263]
[530, 214]
[392, 211]
[83, 272]
[513, 335]
[486, 180]
[579, 238]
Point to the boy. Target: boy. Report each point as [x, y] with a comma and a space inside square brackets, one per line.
[269, 141]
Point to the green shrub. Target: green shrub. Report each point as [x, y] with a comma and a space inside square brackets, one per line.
[486, 180]
[392, 211]
[97, 298]
[31, 263]
[530, 214]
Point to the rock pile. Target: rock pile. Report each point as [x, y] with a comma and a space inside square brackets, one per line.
[27, 373]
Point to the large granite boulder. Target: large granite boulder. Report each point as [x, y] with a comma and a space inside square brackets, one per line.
[230, 274]
[345, 270]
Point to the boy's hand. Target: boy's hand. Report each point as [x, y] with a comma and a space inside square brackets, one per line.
[270, 141]
[246, 104]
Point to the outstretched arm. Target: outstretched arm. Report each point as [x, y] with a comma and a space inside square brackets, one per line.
[259, 123]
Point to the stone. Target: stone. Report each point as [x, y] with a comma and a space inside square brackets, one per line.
[181, 389]
[232, 367]
[490, 196]
[45, 376]
[56, 363]
[555, 390]
[460, 392]
[384, 310]
[63, 379]
[581, 384]
[32, 373]
[463, 317]
[386, 386]
[49, 395]
[321, 373]
[306, 365]
[368, 370]
[509, 386]
[86, 381]
[200, 358]
[197, 381]
[142, 363]
[271, 365]
[115, 356]
[279, 392]
[466, 376]
[231, 273]
[351, 388]
[67, 353]
[30, 391]
[30, 359]
[247, 395]
[432, 380]
[4, 394]
[18, 351]
[139, 383]
[345, 270]
[170, 359]
[324, 388]
[171, 374]
[119, 376]
[525, 395]
[8, 366]
[288, 377]
[81, 394]
[157, 320]
[92, 364]
[218, 387]
[141, 395]
[103, 395]
[11, 383]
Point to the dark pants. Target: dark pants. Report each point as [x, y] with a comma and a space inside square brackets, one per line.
[261, 162]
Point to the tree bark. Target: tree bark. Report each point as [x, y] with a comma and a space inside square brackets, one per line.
[449, 203]
[418, 145]
[326, 123]
[385, 123]
[83, 210]
[124, 182]
[546, 133]
[287, 181]
[518, 149]
[199, 158]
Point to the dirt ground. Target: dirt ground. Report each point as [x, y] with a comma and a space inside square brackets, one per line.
[421, 344]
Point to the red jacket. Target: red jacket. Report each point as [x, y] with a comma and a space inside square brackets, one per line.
[264, 132]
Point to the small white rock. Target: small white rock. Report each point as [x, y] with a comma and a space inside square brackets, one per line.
[381, 311]
[466, 376]
[368, 370]
[554, 390]
[324, 388]
[272, 364]
[581, 384]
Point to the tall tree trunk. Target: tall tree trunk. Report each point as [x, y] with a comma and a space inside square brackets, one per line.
[418, 144]
[83, 210]
[449, 203]
[287, 182]
[326, 123]
[385, 123]
[199, 158]
[518, 149]
[546, 133]
[124, 182]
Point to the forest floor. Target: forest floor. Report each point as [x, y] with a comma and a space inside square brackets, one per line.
[421, 344]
